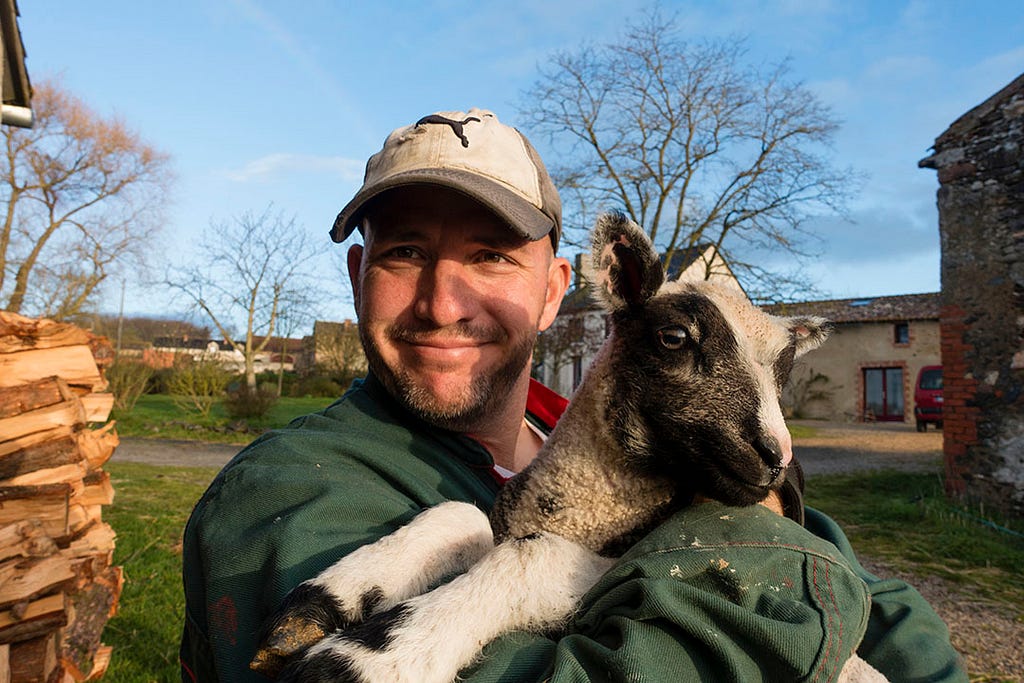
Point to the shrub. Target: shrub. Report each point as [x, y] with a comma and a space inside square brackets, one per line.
[128, 380]
[196, 385]
[317, 386]
[245, 403]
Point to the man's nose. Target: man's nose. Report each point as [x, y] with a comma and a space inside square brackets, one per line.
[445, 294]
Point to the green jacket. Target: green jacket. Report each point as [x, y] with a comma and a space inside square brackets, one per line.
[715, 593]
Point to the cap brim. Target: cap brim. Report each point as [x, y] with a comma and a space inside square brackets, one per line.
[521, 215]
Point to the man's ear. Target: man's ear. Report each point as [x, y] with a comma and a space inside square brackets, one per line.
[559, 276]
[355, 260]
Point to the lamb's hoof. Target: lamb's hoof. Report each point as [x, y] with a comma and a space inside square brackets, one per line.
[292, 636]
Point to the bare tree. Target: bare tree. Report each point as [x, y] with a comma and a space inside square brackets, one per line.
[570, 339]
[249, 269]
[83, 197]
[692, 144]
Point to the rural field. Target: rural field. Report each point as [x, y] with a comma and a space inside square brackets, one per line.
[882, 483]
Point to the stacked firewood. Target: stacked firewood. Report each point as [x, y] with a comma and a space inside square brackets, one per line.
[58, 585]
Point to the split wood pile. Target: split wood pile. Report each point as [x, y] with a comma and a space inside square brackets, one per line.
[58, 585]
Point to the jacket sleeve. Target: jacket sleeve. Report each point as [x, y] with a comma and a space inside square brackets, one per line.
[906, 639]
[689, 603]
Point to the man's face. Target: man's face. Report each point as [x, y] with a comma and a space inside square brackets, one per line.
[450, 301]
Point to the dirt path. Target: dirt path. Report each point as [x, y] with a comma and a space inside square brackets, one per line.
[990, 636]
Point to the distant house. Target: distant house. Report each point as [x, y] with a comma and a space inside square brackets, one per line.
[566, 349]
[333, 349]
[166, 350]
[866, 369]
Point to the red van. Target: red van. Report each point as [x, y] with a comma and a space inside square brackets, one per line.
[928, 397]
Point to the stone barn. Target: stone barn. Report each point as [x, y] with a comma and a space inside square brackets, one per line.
[980, 164]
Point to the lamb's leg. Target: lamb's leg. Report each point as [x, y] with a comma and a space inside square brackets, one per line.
[532, 583]
[856, 670]
[439, 542]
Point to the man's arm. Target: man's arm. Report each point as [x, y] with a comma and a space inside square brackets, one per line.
[906, 640]
[715, 593]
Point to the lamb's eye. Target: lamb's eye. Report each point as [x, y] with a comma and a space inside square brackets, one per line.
[672, 337]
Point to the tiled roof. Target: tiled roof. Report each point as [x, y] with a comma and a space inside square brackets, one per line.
[580, 298]
[866, 309]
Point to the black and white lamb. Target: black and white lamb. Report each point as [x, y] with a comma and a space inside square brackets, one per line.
[681, 401]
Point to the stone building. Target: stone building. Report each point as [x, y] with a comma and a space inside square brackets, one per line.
[333, 349]
[866, 370]
[566, 349]
[981, 224]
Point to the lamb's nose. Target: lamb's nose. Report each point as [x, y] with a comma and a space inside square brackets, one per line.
[767, 446]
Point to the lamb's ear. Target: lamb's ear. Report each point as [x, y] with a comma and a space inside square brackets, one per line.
[626, 270]
[809, 331]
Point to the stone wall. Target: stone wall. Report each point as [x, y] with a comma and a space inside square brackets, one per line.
[980, 164]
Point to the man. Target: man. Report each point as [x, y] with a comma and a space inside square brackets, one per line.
[456, 275]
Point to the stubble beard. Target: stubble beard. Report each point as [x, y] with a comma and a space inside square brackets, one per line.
[485, 395]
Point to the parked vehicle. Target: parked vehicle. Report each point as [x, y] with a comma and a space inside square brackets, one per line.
[928, 397]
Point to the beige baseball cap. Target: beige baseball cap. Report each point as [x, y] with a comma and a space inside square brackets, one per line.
[471, 152]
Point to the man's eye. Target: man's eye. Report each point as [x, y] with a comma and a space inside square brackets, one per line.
[403, 252]
[494, 257]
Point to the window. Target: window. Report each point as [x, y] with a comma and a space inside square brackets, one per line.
[901, 333]
[577, 371]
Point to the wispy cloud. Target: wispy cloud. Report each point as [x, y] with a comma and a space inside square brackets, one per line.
[273, 165]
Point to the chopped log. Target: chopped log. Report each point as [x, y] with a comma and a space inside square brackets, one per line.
[97, 406]
[47, 504]
[22, 398]
[71, 474]
[100, 662]
[92, 607]
[22, 580]
[99, 538]
[61, 449]
[18, 333]
[75, 364]
[97, 445]
[26, 538]
[25, 621]
[13, 446]
[34, 661]
[67, 414]
[5, 663]
[97, 490]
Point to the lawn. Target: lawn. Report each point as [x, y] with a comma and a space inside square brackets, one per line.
[149, 512]
[157, 416]
[901, 518]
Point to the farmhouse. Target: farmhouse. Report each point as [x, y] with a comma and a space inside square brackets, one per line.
[866, 370]
[864, 373]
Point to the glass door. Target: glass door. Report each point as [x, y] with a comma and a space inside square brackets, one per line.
[883, 394]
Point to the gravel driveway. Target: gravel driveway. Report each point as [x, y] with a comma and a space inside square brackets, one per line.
[836, 448]
[990, 636]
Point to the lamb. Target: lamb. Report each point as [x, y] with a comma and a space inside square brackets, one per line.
[623, 458]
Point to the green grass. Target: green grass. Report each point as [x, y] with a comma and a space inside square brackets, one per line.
[802, 431]
[151, 506]
[904, 520]
[156, 416]
[900, 518]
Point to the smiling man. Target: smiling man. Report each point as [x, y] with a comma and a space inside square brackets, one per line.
[456, 275]
[450, 302]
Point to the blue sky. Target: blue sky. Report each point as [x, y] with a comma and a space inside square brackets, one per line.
[263, 102]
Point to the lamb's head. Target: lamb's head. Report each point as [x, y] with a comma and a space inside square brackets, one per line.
[696, 371]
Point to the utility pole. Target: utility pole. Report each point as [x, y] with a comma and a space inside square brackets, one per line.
[120, 324]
